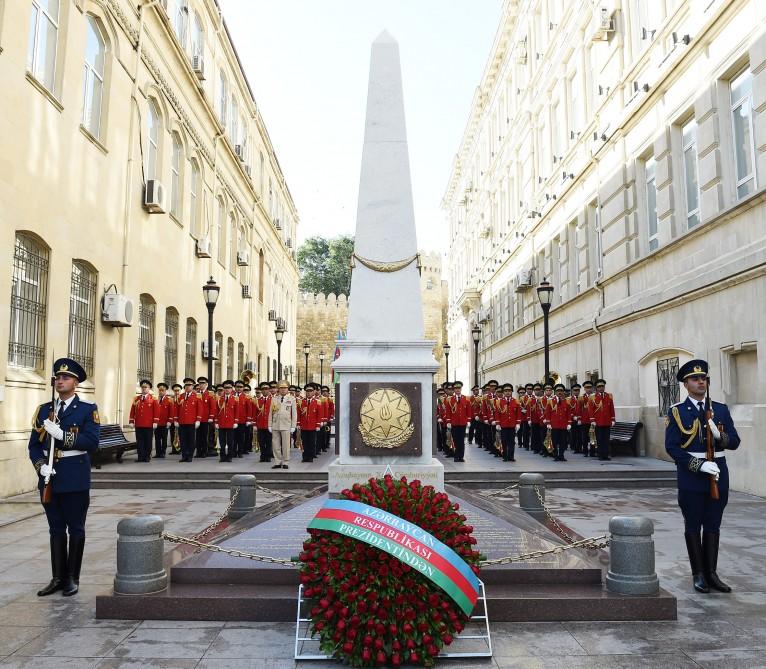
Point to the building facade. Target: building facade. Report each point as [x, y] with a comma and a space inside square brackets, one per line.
[135, 166]
[618, 151]
[322, 318]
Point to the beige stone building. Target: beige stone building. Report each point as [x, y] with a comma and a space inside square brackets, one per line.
[618, 149]
[134, 166]
[322, 317]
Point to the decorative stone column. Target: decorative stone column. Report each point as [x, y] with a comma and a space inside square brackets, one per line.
[245, 502]
[528, 499]
[140, 568]
[631, 556]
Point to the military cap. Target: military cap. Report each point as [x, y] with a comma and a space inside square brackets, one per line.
[507, 386]
[449, 385]
[69, 367]
[537, 386]
[273, 384]
[559, 386]
[692, 368]
[239, 382]
[457, 384]
[327, 388]
[176, 385]
[548, 385]
[475, 388]
[162, 384]
[576, 386]
[298, 389]
[263, 384]
[202, 379]
[227, 382]
[145, 381]
[247, 386]
[492, 382]
[291, 387]
[283, 384]
[189, 380]
[440, 391]
[587, 383]
[529, 385]
[600, 382]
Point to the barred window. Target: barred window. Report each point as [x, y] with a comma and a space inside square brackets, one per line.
[218, 352]
[171, 345]
[82, 314]
[229, 358]
[190, 368]
[29, 303]
[240, 359]
[146, 313]
[668, 390]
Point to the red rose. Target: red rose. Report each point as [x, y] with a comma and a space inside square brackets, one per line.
[366, 656]
[395, 659]
[348, 647]
[378, 643]
[447, 639]
[414, 657]
[410, 643]
[381, 657]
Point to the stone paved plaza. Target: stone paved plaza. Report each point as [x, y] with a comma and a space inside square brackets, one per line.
[712, 631]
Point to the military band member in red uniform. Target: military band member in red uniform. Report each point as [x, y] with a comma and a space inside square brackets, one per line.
[262, 411]
[310, 422]
[458, 415]
[164, 420]
[207, 410]
[227, 418]
[574, 403]
[508, 420]
[329, 417]
[144, 414]
[187, 419]
[536, 418]
[475, 400]
[441, 424]
[558, 417]
[601, 413]
[175, 447]
[588, 449]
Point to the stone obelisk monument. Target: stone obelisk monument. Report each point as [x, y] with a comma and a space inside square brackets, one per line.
[386, 367]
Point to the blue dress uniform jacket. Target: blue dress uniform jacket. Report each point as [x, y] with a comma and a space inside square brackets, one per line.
[80, 423]
[685, 433]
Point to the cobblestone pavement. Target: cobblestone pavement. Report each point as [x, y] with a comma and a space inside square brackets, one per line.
[712, 631]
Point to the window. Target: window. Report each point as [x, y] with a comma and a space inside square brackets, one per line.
[668, 389]
[218, 347]
[261, 267]
[741, 96]
[221, 231]
[190, 366]
[691, 185]
[29, 303]
[82, 315]
[146, 312]
[175, 177]
[181, 21]
[576, 115]
[242, 246]
[194, 198]
[197, 36]
[229, 358]
[171, 345]
[651, 204]
[43, 38]
[153, 148]
[263, 167]
[232, 243]
[234, 126]
[240, 359]
[93, 81]
[224, 100]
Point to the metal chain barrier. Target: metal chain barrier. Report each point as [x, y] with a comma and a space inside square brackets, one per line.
[524, 557]
[220, 518]
[567, 537]
[176, 539]
[496, 493]
[273, 492]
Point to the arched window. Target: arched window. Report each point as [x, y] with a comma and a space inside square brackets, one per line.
[171, 345]
[229, 358]
[82, 314]
[190, 368]
[181, 21]
[233, 243]
[93, 81]
[194, 198]
[221, 240]
[176, 176]
[223, 100]
[261, 267]
[146, 314]
[29, 303]
[153, 147]
[197, 36]
[218, 348]
[43, 41]
[240, 359]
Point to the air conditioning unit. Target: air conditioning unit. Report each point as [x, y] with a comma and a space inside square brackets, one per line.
[154, 197]
[272, 314]
[243, 258]
[289, 243]
[198, 65]
[239, 150]
[246, 291]
[521, 52]
[485, 315]
[524, 280]
[204, 247]
[116, 310]
[205, 352]
[277, 224]
[281, 324]
[604, 25]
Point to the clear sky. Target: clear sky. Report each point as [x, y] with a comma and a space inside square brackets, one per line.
[308, 62]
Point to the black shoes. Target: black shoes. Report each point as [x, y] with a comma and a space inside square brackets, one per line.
[58, 567]
[285, 467]
[710, 556]
[276, 467]
[694, 549]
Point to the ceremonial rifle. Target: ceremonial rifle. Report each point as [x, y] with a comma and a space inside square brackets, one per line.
[709, 446]
[47, 497]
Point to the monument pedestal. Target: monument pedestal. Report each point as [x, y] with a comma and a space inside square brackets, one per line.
[343, 476]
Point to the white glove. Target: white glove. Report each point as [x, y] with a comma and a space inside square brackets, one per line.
[468, 424]
[196, 424]
[46, 470]
[449, 426]
[269, 429]
[593, 423]
[569, 427]
[53, 429]
[612, 423]
[497, 427]
[518, 427]
[292, 430]
[235, 426]
[476, 418]
[579, 422]
[249, 423]
[175, 422]
[529, 422]
[714, 429]
[154, 426]
[317, 430]
[167, 424]
[711, 468]
[438, 420]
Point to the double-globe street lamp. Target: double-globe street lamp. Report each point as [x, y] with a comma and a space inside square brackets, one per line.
[279, 333]
[476, 334]
[446, 349]
[210, 291]
[545, 294]
[321, 368]
[306, 349]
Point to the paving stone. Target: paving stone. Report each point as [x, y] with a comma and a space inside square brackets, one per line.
[275, 640]
[13, 638]
[166, 643]
[19, 662]
[77, 642]
[730, 659]
[664, 661]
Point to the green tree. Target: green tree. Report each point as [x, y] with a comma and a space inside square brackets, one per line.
[325, 264]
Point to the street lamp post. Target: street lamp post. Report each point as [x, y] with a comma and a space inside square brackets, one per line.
[545, 294]
[279, 333]
[306, 349]
[446, 349]
[476, 334]
[210, 292]
[321, 368]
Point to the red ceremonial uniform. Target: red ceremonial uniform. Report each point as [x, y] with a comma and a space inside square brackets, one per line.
[537, 410]
[228, 412]
[507, 412]
[441, 411]
[144, 411]
[166, 410]
[310, 417]
[262, 408]
[486, 414]
[601, 409]
[458, 410]
[524, 401]
[324, 408]
[558, 413]
[475, 401]
[584, 414]
[575, 406]
[330, 409]
[188, 408]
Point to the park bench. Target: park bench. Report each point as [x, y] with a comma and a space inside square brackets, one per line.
[111, 441]
[625, 434]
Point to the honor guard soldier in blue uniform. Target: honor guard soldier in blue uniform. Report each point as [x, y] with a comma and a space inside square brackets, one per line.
[685, 441]
[70, 426]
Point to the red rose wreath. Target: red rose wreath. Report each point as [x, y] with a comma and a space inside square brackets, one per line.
[368, 607]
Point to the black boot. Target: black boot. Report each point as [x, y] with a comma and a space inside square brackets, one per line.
[74, 562]
[694, 548]
[58, 566]
[710, 552]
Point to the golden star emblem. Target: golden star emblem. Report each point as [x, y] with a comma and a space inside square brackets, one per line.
[385, 413]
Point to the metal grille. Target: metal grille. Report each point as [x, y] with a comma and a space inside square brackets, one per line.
[82, 315]
[29, 304]
[171, 345]
[668, 390]
[190, 368]
[240, 359]
[218, 347]
[230, 358]
[146, 313]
